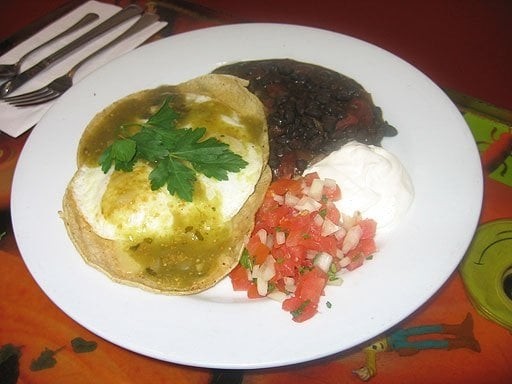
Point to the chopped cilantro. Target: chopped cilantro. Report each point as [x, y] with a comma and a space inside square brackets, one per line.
[176, 154]
[328, 304]
[332, 273]
[304, 268]
[246, 260]
[301, 308]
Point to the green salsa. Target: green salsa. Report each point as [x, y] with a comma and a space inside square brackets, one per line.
[198, 234]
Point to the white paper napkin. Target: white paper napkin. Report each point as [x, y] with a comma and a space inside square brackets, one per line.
[15, 121]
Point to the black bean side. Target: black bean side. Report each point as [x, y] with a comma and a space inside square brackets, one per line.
[311, 111]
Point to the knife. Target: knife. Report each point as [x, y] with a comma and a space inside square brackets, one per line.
[23, 77]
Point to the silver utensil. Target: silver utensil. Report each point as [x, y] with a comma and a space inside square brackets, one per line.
[61, 84]
[10, 70]
[23, 77]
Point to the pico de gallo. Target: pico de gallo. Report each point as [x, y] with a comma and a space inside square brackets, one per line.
[300, 243]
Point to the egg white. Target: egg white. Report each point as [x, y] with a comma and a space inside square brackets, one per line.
[141, 213]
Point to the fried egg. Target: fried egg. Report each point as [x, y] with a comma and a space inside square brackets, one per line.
[151, 238]
[121, 205]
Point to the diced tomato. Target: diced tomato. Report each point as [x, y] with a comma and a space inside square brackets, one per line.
[271, 219]
[332, 213]
[257, 250]
[324, 244]
[285, 265]
[369, 228]
[365, 247]
[239, 278]
[295, 237]
[296, 221]
[303, 238]
[281, 186]
[308, 179]
[356, 262]
[297, 255]
[252, 291]
[301, 310]
[303, 305]
[332, 193]
[311, 285]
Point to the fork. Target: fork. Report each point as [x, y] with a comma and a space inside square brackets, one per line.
[10, 70]
[61, 84]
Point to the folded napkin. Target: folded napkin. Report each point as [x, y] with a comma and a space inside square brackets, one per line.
[15, 121]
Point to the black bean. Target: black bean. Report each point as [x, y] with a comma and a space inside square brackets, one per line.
[305, 104]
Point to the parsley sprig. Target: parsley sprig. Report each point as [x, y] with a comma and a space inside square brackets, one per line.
[177, 154]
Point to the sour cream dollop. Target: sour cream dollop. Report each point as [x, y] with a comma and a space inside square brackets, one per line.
[372, 180]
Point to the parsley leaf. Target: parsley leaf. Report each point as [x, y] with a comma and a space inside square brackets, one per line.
[178, 177]
[164, 116]
[122, 153]
[176, 154]
[150, 145]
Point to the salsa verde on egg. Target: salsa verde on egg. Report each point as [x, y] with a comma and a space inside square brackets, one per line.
[150, 237]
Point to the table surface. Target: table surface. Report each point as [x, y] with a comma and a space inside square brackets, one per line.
[461, 45]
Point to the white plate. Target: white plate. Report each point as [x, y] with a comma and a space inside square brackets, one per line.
[220, 328]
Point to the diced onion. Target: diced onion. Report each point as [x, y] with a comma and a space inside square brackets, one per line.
[278, 198]
[262, 287]
[330, 183]
[277, 295]
[289, 284]
[255, 272]
[270, 241]
[267, 269]
[318, 220]
[352, 238]
[350, 221]
[345, 261]
[316, 189]
[264, 273]
[323, 261]
[307, 203]
[280, 237]
[290, 199]
[340, 233]
[262, 234]
[328, 228]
